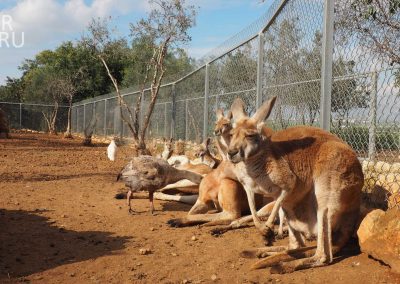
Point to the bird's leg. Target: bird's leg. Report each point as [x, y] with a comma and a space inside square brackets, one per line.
[128, 198]
[151, 198]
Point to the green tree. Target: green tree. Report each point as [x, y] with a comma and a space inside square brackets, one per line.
[12, 91]
[374, 25]
[165, 28]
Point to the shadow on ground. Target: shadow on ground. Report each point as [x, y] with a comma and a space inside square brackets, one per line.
[29, 243]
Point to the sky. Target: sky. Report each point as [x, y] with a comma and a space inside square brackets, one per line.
[37, 25]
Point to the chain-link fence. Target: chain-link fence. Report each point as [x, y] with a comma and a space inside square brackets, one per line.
[306, 53]
[33, 116]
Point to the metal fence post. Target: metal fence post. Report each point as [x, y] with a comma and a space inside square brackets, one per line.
[326, 68]
[186, 121]
[20, 116]
[105, 117]
[173, 111]
[77, 119]
[165, 120]
[206, 93]
[84, 117]
[372, 117]
[94, 114]
[260, 69]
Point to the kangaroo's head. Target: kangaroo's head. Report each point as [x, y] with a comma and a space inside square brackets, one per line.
[247, 132]
[223, 124]
[204, 151]
[168, 148]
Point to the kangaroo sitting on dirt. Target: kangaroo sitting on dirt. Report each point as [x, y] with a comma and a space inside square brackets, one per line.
[227, 195]
[318, 179]
[204, 155]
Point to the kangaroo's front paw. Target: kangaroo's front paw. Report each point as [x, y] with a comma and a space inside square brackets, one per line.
[175, 223]
[268, 234]
[216, 232]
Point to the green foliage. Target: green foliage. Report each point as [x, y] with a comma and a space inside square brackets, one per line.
[74, 60]
[12, 91]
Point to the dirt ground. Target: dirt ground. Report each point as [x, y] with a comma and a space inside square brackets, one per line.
[60, 223]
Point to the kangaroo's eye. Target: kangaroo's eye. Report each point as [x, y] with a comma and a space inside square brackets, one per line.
[251, 135]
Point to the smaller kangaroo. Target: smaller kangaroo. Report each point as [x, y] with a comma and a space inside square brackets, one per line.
[227, 195]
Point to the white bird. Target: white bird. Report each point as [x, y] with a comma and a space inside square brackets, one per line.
[112, 150]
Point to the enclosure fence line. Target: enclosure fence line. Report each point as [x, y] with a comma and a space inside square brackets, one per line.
[31, 115]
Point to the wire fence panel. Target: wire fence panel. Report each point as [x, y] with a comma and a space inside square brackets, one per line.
[74, 120]
[180, 123]
[100, 118]
[157, 122]
[32, 116]
[80, 119]
[12, 112]
[366, 102]
[292, 63]
[187, 93]
[233, 75]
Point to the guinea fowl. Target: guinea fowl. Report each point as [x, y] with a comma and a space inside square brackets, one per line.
[150, 173]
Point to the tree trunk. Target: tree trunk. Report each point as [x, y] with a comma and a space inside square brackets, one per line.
[53, 129]
[68, 133]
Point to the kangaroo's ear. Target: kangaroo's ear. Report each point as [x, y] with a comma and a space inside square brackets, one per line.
[229, 115]
[264, 111]
[220, 113]
[237, 109]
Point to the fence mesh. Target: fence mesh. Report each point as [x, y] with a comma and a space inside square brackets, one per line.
[365, 100]
[32, 116]
[279, 55]
[292, 63]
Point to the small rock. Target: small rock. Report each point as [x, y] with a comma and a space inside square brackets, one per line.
[174, 254]
[355, 263]
[151, 229]
[63, 216]
[145, 251]
[72, 274]
[139, 264]
[185, 281]
[194, 238]
[214, 277]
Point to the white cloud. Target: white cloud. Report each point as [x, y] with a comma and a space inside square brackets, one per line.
[43, 20]
[45, 23]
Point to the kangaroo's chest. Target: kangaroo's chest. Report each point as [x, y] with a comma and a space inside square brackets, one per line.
[260, 184]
